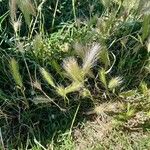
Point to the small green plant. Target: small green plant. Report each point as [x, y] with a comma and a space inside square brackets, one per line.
[77, 74]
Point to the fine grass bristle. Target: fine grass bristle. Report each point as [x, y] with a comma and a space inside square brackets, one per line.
[14, 67]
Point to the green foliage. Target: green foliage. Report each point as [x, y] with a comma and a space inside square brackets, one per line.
[146, 27]
[102, 76]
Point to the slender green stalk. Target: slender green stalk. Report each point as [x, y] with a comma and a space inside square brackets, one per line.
[62, 109]
[74, 10]
[75, 115]
[39, 14]
[54, 15]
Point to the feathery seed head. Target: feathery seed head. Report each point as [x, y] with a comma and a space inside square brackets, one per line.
[27, 8]
[75, 86]
[115, 82]
[73, 70]
[63, 91]
[14, 67]
[85, 92]
[16, 25]
[47, 76]
[91, 57]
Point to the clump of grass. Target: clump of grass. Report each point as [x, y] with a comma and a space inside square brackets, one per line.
[76, 73]
[96, 74]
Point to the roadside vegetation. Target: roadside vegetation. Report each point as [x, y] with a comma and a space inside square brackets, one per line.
[75, 74]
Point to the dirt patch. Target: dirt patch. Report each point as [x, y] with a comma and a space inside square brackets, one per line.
[92, 133]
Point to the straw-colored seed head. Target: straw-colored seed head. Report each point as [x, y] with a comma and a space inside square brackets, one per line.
[37, 85]
[73, 70]
[85, 93]
[91, 57]
[80, 49]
